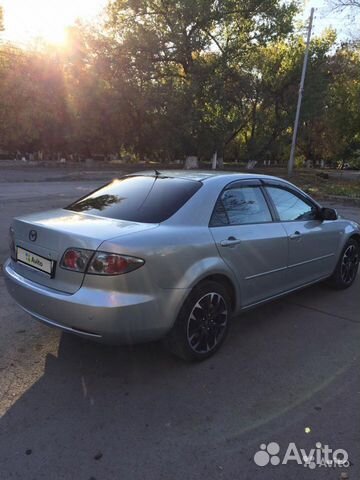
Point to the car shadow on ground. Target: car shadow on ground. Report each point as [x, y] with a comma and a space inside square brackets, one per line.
[106, 411]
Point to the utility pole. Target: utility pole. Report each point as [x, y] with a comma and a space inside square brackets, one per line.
[301, 92]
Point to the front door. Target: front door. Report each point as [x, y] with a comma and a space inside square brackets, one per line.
[312, 242]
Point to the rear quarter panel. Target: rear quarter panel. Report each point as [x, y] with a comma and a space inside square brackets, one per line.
[176, 257]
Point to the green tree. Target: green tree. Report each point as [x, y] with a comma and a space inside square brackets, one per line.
[166, 79]
[199, 50]
[32, 101]
[343, 116]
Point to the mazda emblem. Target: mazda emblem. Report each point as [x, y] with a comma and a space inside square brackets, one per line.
[33, 235]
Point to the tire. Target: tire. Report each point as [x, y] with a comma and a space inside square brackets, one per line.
[346, 269]
[202, 324]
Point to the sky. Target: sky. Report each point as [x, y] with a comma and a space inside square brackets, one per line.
[326, 18]
[27, 20]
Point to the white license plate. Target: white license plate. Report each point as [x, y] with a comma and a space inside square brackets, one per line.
[35, 261]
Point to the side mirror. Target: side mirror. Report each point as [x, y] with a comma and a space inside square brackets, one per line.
[328, 214]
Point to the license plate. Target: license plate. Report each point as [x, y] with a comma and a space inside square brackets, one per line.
[35, 261]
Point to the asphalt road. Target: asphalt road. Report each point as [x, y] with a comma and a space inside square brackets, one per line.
[72, 409]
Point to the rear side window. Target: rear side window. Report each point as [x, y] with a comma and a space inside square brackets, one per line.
[138, 198]
[241, 206]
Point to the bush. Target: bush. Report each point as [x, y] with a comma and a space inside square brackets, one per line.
[300, 161]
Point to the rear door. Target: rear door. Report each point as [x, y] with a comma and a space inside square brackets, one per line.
[250, 242]
[312, 242]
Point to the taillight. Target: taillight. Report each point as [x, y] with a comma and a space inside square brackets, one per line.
[99, 263]
[113, 264]
[76, 259]
[12, 243]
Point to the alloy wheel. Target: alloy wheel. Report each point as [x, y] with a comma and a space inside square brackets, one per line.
[349, 264]
[207, 323]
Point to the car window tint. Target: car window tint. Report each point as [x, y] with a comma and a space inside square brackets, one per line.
[289, 206]
[140, 198]
[239, 206]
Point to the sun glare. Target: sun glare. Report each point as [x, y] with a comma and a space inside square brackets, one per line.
[26, 21]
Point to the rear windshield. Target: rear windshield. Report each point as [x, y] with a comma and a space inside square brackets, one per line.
[147, 199]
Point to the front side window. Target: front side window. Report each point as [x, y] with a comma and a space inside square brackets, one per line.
[241, 206]
[289, 206]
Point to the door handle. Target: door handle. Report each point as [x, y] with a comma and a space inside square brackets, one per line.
[231, 241]
[295, 236]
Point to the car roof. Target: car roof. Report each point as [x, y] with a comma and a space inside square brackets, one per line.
[203, 175]
[219, 178]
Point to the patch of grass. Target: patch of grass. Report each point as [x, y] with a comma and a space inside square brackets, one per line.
[347, 190]
[317, 186]
[333, 186]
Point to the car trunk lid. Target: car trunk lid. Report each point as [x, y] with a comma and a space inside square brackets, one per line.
[50, 234]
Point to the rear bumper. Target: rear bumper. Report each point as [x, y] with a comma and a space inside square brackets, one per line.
[106, 316]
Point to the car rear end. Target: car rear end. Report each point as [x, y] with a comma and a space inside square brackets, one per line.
[59, 274]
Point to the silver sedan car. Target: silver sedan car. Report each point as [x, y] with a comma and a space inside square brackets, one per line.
[174, 255]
